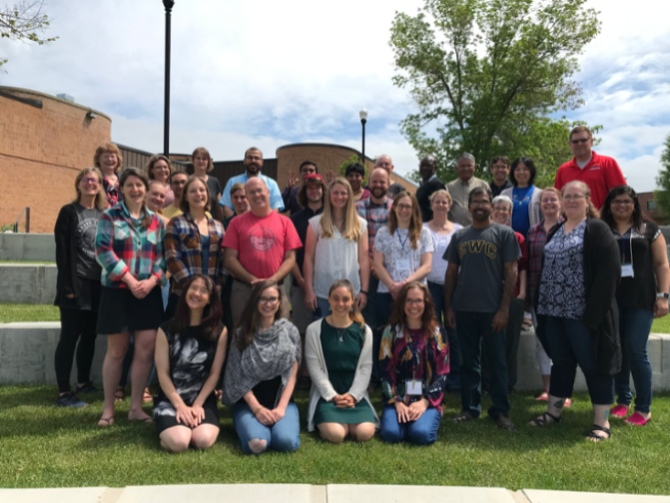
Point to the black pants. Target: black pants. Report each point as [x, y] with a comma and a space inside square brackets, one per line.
[76, 325]
[513, 336]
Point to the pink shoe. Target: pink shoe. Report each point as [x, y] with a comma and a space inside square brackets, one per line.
[637, 419]
[619, 411]
[543, 397]
[568, 403]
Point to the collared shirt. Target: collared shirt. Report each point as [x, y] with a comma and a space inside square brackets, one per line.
[123, 245]
[460, 192]
[496, 191]
[377, 216]
[183, 250]
[290, 199]
[301, 223]
[276, 201]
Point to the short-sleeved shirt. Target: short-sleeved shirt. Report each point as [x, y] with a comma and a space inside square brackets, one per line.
[301, 223]
[460, 193]
[334, 259]
[214, 187]
[521, 212]
[377, 216]
[481, 255]
[400, 259]
[290, 199]
[261, 242]
[87, 224]
[439, 267]
[276, 201]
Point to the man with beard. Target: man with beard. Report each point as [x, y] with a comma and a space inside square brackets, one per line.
[260, 244]
[253, 162]
[478, 289]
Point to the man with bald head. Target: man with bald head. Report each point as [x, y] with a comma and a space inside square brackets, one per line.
[460, 189]
[431, 183]
[384, 161]
[260, 244]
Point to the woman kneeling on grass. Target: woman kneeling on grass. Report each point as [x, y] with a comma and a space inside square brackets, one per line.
[190, 350]
[261, 373]
[413, 366]
[338, 352]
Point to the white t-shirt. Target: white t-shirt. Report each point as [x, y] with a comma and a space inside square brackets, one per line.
[400, 259]
[335, 258]
[439, 266]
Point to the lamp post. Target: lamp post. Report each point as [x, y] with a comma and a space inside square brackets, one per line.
[166, 114]
[363, 114]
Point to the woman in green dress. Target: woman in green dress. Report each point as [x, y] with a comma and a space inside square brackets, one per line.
[338, 352]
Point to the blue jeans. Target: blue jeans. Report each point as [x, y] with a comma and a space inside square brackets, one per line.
[283, 436]
[454, 380]
[423, 431]
[634, 326]
[475, 331]
[570, 344]
[322, 308]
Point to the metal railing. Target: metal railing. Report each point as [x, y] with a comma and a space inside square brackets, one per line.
[26, 210]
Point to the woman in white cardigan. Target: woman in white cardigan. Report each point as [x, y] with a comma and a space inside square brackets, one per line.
[338, 353]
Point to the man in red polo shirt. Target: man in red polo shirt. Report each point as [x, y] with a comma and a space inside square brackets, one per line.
[600, 173]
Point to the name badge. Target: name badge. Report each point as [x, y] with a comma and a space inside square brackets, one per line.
[414, 387]
[627, 271]
[402, 265]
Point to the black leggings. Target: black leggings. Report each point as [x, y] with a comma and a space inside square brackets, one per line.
[75, 323]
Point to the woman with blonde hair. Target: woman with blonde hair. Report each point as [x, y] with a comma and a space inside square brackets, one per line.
[203, 164]
[336, 247]
[78, 285]
[160, 168]
[338, 352]
[403, 253]
[108, 160]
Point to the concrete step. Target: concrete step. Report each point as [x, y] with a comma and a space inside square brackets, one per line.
[21, 246]
[27, 283]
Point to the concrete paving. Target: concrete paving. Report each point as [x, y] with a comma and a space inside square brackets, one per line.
[64, 495]
[541, 496]
[228, 493]
[27, 283]
[416, 494]
[21, 246]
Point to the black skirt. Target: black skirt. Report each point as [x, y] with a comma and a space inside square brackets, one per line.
[121, 312]
[164, 422]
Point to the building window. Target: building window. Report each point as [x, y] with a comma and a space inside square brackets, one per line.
[651, 205]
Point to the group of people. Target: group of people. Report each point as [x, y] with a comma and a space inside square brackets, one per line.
[413, 295]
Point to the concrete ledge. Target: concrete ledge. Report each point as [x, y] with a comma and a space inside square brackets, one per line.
[27, 283]
[65, 495]
[230, 493]
[540, 496]
[20, 246]
[412, 494]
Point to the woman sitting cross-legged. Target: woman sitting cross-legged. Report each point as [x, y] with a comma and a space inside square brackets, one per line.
[261, 372]
[338, 352]
[190, 350]
[413, 366]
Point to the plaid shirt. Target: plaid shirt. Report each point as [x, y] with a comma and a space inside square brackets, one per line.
[123, 245]
[377, 216]
[183, 250]
[535, 239]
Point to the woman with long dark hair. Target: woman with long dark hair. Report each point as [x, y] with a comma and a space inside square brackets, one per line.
[160, 168]
[338, 352]
[641, 296]
[413, 366]
[78, 285]
[525, 196]
[261, 373]
[190, 351]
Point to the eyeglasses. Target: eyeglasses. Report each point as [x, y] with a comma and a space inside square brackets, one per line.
[87, 179]
[622, 203]
[411, 302]
[404, 207]
[481, 204]
[554, 200]
[579, 140]
[268, 300]
[574, 197]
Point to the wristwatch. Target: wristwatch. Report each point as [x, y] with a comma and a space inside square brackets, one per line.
[662, 295]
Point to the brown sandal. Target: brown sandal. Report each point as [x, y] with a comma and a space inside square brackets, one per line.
[106, 421]
[147, 395]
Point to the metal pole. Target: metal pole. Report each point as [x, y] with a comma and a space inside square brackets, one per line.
[166, 115]
[363, 121]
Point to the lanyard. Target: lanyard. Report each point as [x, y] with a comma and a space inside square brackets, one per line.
[402, 243]
[623, 247]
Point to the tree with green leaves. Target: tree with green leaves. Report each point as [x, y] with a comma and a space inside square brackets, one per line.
[487, 74]
[662, 195]
[24, 22]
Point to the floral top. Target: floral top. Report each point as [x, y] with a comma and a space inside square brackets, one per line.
[400, 259]
[404, 356]
[112, 192]
[562, 290]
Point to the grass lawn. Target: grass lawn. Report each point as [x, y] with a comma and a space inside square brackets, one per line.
[28, 312]
[47, 447]
[661, 325]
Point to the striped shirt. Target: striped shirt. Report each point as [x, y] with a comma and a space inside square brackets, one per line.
[123, 245]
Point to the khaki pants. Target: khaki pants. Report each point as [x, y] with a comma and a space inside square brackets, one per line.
[239, 298]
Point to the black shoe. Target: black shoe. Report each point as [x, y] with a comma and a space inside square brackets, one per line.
[69, 399]
[87, 388]
[505, 423]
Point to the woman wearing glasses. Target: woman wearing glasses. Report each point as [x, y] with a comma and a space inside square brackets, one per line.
[413, 366]
[641, 296]
[577, 311]
[78, 285]
[260, 375]
[403, 253]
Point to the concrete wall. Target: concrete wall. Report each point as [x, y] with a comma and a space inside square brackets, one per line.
[27, 284]
[32, 247]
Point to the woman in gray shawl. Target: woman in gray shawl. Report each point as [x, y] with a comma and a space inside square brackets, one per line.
[260, 376]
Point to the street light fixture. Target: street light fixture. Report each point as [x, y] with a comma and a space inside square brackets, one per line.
[166, 114]
[363, 114]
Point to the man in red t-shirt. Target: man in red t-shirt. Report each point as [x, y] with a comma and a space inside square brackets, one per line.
[600, 173]
[260, 244]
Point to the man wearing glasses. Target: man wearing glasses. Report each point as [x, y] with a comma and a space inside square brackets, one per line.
[600, 173]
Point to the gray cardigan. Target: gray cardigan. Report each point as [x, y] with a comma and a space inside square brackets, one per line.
[316, 365]
[534, 212]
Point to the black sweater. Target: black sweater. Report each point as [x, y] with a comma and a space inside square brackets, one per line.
[602, 273]
[423, 194]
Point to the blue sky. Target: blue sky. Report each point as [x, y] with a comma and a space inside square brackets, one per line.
[269, 73]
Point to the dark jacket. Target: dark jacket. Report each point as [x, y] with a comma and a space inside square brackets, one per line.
[602, 273]
[423, 194]
[67, 281]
